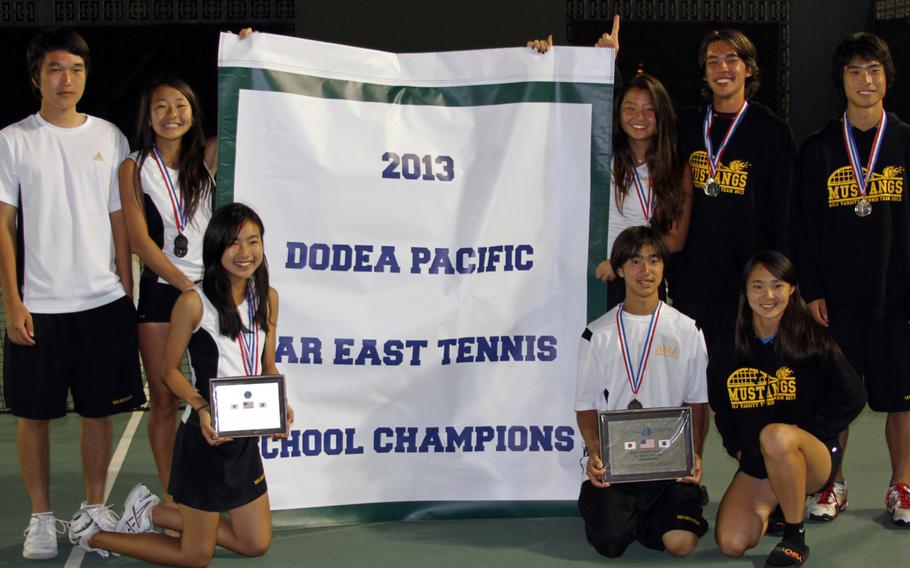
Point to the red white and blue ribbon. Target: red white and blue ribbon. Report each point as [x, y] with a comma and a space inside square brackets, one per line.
[714, 160]
[634, 376]
[172, 191]
[249, 340]
[646, 200]
[862, 180]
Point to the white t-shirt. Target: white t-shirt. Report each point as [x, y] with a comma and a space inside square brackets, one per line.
[64, 181]
[154, 186]
[632, 214]
[675, 372]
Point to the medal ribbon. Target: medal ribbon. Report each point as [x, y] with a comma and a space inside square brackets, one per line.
[172, 192]
[635, 378]
[645, 200]
[853, 153]
[249, 341]
[709, 121]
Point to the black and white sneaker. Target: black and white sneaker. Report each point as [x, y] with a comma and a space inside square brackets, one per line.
[137, 511]
[87, 521]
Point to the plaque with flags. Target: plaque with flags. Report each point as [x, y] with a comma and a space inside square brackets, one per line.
[647, 445]
[248, 406]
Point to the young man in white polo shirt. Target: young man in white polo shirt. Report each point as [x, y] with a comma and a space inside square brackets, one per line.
[65, 273]
[641, 354]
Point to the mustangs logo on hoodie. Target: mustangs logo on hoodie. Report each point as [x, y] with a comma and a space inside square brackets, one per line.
[886, 186]
[732, 177]
[751, 388]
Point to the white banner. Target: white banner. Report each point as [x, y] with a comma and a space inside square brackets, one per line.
[427, 226]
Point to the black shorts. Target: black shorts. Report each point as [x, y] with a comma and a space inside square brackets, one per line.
[754, 465]
[156, 301]
[625, 512]
[93, 354]
[215, 478]
[877, 349]
[837, 457]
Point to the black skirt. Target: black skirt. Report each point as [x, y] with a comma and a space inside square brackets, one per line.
[215, 478]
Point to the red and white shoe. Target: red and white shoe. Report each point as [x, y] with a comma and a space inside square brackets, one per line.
[897, 501]
[829, 502]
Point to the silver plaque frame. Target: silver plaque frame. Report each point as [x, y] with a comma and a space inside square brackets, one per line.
[244, 407]
[647, 445]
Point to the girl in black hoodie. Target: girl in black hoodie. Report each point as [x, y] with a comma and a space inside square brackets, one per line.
[781, 391]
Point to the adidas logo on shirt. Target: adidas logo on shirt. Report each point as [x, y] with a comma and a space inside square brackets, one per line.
[98, 157]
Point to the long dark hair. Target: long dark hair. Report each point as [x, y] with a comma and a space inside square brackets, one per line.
[195, 181]
[799, 336]
[219, 235]
[664, 166]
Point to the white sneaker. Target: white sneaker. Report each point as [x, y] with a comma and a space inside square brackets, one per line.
[137, 510]
[829, 502]
[897, 501]
[41, 536]
[87, 521]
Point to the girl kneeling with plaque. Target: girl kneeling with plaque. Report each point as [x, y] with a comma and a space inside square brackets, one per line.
[782, 391]
[228, 324]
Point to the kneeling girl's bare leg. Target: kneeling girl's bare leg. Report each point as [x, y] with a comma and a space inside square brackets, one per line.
[246, 531]
[742, 517]
[798, 464]
[195, 546]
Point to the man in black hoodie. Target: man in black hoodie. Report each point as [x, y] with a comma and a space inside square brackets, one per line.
[742, 158]
[855, 251]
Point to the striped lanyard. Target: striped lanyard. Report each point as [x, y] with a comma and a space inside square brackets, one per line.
[172, 192]
[634, 376]
[862, 180]
[646, 200]
[249, 340]
[714, 160]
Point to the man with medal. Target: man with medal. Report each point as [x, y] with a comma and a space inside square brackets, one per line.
[742, 159]
[641, 354]
[855, 251]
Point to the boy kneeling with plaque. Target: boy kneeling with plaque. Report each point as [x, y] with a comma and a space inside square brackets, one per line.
[640, 355]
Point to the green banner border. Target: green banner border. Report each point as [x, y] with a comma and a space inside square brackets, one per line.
[421, 511]
[231, 80]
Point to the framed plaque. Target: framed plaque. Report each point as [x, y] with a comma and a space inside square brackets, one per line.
[248, 406]
[646, 445]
